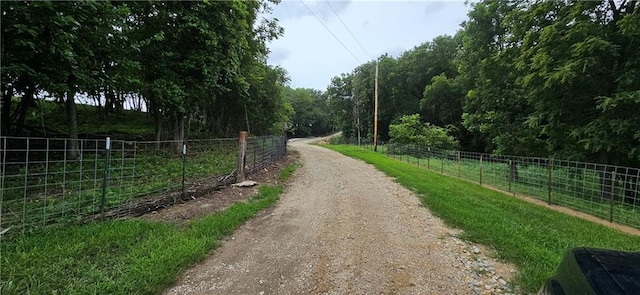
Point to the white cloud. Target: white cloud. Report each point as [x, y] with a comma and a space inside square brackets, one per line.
[312, 56]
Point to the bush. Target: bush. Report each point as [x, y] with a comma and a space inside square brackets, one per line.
[411, 131]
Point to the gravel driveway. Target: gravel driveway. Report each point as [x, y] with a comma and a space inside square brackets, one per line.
[342, 227]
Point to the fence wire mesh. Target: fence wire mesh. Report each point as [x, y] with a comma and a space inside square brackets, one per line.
[606, 191]
[43, 181]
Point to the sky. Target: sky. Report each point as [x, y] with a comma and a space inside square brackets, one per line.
[312, 55]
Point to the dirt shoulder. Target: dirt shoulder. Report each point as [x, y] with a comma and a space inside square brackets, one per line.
[342, 227]
[217, 200]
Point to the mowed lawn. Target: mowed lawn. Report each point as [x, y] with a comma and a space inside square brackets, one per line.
[531, 237]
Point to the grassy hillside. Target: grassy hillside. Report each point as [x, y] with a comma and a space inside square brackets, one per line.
[49, 119]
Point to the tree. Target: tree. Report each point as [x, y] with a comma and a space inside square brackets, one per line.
[311, 117]
[340, 96]
[411, 131]
[582, 62]
[495, 106]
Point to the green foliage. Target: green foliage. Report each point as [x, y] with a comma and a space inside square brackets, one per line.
[202, 62]
[533, 238]
[310, 107]
[411, 131]
[541, 78]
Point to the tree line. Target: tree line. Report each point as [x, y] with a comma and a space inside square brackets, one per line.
[533, 78]
[194, 63]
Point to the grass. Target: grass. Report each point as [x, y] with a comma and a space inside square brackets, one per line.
[579, 191]
[120, 256]
[531, 237]
[69, 190]
[125, 123]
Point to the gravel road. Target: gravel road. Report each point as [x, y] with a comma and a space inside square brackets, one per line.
[342, 227]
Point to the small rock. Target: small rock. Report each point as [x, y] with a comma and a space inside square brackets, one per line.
[502, 282]
[476, 250]
[246, 183]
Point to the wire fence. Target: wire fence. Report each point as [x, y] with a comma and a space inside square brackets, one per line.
[44, 181]
[606, 191]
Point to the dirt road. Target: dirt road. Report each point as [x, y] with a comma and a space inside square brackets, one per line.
[342, 227]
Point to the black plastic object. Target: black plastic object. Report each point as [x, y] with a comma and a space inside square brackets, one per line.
[595, 271]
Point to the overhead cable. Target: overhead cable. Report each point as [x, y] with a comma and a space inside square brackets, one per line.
[327, 28]
[346, 27]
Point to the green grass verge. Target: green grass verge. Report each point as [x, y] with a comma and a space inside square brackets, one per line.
[120, 256]
[531, 237]
[578, 191]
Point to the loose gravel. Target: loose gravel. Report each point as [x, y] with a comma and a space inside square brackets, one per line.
[342, 227]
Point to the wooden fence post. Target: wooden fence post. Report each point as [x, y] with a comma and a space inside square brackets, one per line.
[242, 145]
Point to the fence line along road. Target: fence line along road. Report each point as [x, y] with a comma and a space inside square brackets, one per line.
[44, 181]
[605, 191]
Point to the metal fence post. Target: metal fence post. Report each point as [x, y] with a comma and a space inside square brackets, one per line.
[612, 194]
[428, 157]
[480, 169]
[184, 169]
[254, 147]
[441, 163]
[105, 179]
[458, 164]
[241, 155]
[549, 178]
[510, 175]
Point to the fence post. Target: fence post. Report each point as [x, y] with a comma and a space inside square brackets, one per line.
[612, 194]
[242, 144]
[458, 164]
[418, 154]
[105, 179]
[255, 154]
[510, 175]
[442, 163]
[184, 169]
[549, 178]
[428, 157]
[263, 151]
[480, 169]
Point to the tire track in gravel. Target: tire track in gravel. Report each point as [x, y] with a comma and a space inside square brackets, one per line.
[342, 227]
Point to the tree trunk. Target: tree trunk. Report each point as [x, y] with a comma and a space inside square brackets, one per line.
[513, 171]
[109, 101]
[73, 151]
[157, 122]
[178, 133]
[5, 113]
[215, 116]
[25, 103]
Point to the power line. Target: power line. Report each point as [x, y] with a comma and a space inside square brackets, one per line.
[345, 26]
[332, 34]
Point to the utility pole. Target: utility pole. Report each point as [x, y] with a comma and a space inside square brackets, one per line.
[375, 116]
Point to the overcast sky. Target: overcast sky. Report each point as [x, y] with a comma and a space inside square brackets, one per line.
[312, 56]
